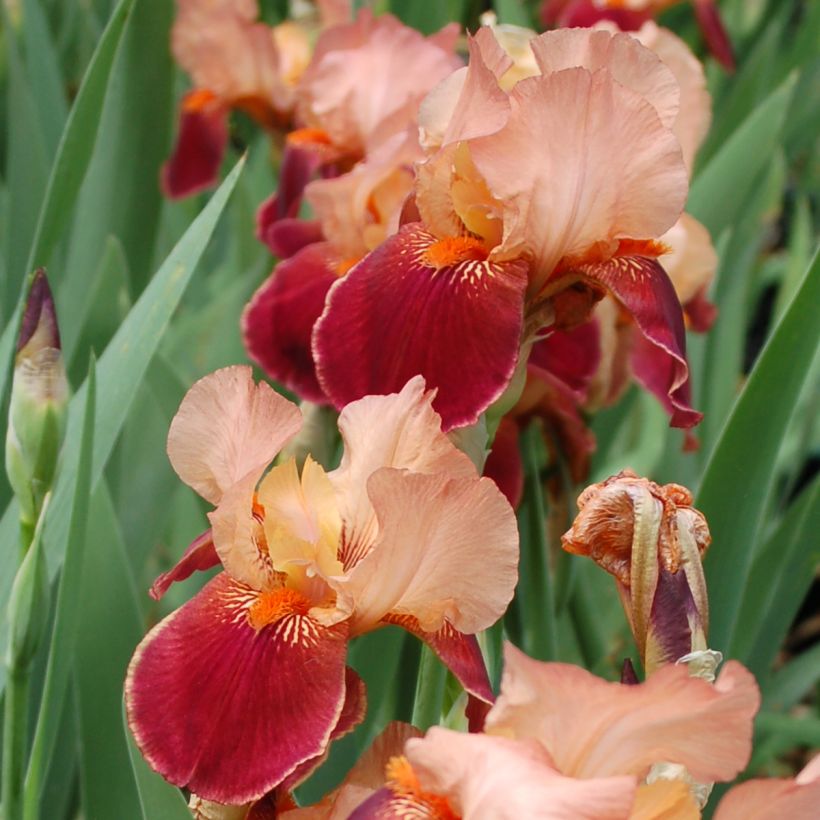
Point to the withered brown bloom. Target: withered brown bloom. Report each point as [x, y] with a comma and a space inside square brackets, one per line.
[651, 539]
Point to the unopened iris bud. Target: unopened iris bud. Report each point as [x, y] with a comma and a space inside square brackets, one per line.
[652, 541]
[38, 403]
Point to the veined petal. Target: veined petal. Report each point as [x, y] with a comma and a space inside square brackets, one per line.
[629, 62]
[199, 556]
[593, 728]
[226, 427]
[401, 430]
[447, 550]
[414, 307]
[200, 147]
[582, 160]
[641, 285]
[278, 322]
[483, 776]
[229, 710]
[460, 654]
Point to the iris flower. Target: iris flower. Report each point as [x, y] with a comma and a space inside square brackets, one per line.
[560, 743]
[242, 689]
[533, 204]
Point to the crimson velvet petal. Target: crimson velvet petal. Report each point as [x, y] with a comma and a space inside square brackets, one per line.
[278, 322]
[398, 314]
[200, 555]
[228, 710]
[200, 147]
[641, 285]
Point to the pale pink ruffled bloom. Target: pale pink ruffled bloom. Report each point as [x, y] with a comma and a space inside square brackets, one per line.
[775, 798]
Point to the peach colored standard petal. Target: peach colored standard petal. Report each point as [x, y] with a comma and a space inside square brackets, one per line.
[225, 50]
[582, 161]
[593, 728]
[359, 78]
[226, 427]
[447, 549]
[774, 798]
[400, 430]
[506, 779]
[695, 114]
[630, 63]
[692, 262]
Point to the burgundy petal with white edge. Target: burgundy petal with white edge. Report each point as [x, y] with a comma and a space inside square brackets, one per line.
[419, 305]
[641, 285]
[232, 692]
[278, 322]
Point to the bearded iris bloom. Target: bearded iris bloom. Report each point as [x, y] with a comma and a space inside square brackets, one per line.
[533, 204]
[242, 689]
[560, 742]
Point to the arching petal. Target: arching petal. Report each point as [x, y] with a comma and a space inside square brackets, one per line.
[226, 427]
[461, 654]
[200, 147]
[278, 322]
[498, 777]
[400, 430]
[447, 550]
[199, 556]
[641, 285]
[229, 710]
[397, 314]
[582, 160]
[630, 63]
[593, 728]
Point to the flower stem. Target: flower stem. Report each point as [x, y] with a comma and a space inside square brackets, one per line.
[15, 730]
[429, 690]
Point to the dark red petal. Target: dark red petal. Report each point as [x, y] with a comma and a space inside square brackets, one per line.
[278, 321]
[700, 312]
[201, 143]
[200, 556]
[353, 712]
[395, 315]
[228, 711]
[458, 652]
[299, 164]
[573, 356]
[641, 285]
[585, 14]
[714, 32]
[503, 465]
[288, 236]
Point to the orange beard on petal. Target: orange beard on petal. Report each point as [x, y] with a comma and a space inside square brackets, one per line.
[453, 250]
[402, 781]
[273, 605]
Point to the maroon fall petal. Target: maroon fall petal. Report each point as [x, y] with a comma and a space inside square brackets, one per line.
[504, 465]
[353, 712]
[228, 710]
[460, 653]
[200, 556]
[673, 612]
[585, 14]
[641, 285]
[288, 236]
[573, 356]
[714, 32]
[201, 143]
[299, 164]
[700, 312]
[278, 322]
[409, 308]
